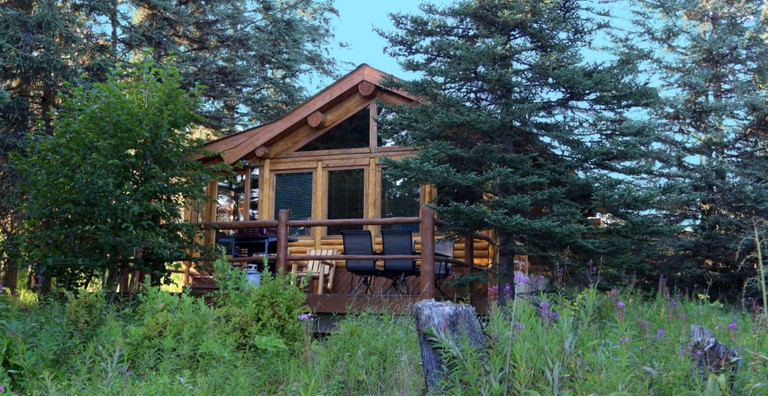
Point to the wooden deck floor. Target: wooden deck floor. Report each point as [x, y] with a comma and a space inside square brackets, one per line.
[342, 299]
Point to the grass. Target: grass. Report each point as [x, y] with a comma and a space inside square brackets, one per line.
[586, 342]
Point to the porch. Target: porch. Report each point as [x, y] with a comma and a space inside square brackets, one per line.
[341, 298]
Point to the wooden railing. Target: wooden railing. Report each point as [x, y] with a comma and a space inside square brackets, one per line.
[426, 221]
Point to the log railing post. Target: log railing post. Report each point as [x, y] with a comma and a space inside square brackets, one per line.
[282, 240]
[427, 230]
[469, 252]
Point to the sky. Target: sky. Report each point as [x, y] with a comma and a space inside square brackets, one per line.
[354, 26]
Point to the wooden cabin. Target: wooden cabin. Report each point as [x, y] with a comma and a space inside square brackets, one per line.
[322, 161]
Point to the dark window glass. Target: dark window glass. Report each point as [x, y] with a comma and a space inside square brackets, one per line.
[345, 197]
[350, 133]
[293, 191]
[253, 210]
[399, 198]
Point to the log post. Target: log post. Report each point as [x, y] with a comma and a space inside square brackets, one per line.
[282, 240]
[427, 230]
[453, 321]
[710, 356]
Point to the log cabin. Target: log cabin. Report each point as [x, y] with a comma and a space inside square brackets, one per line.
[322, 161]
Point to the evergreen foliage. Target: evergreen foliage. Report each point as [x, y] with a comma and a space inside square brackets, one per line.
[522, 134]
[105, 192]
[250, 55]
[711, 62]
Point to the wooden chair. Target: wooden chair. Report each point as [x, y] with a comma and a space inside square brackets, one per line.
[322, 270]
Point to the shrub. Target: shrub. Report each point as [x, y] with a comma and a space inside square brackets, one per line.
[260, 317]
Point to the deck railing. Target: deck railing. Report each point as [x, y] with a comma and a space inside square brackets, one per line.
[426, 221]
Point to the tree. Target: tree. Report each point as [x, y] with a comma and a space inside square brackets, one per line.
[521, 134]
[250, 55]
[712, 64]
[37, 44]
[105, 192]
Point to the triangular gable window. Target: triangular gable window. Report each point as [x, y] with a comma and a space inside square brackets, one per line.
[351, 133]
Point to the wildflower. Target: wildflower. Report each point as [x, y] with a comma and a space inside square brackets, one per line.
[620, 310]
[623, 340]
[520, 278]
[660, 333]
[732, 326]
[614, 292]
[643, 323]
[546, 313]
[494, 337]
[508, 289]
[518, 326]
[2, 389]
[683, 316]
[305, 316]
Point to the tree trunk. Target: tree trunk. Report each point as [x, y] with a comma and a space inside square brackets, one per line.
[710, 356]
[453, 321]
[506, 268]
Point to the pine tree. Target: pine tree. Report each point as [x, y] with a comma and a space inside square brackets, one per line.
[519, 132]
[250, 55]
[37, 45]
[711, 61]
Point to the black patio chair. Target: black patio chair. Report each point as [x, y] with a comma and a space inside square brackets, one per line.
[443, 250]
[359, 242]
[398, 242]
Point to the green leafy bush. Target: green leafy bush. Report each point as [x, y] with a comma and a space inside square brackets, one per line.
[251, 313]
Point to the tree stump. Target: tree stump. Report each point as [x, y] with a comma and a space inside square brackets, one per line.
[452, 320]
[711, 356]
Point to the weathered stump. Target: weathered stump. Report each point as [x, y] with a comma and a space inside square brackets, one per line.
[711, 356]
[453, 321]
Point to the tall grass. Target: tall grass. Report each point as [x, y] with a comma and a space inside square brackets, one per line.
[581, 343]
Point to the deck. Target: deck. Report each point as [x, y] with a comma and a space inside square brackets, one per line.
[342, 298]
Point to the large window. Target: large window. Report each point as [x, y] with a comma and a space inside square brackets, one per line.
[346, 192]
[399, 198]
[293, 191]
[229, 202]
[253, 208]
[354, 132]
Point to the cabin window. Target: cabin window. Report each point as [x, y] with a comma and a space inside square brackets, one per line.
[229, 202]
[346, 192]
[253, 208]
[399, 198]
[351, 133]
[293, 191]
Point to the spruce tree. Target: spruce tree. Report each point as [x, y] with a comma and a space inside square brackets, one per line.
[711, 62]
[250, 55]
[520, 133]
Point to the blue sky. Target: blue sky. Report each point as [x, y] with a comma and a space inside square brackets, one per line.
[355, 24]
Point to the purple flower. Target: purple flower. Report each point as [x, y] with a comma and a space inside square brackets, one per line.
[614, 292]
[732, 326]
[544, 305]
[643, 323]
[660, 333]
[518, 326]
[494, 337]
[623, 340]
[508, 289]
[520, 278]
[620, 305]
[2, 389]
[683, 316]
[305, 316]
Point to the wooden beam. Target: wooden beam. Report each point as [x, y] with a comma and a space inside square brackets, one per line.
[427, 231]
[307, 133]
[367, 89]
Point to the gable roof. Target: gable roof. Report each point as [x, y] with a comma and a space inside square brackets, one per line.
[320, 112]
